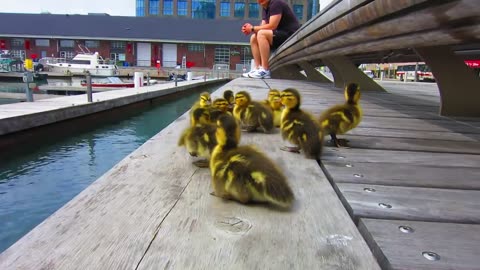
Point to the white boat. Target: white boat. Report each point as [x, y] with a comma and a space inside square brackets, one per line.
[80, 64]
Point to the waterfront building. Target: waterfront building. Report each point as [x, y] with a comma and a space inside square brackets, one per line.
[166, 33]
[219, 9]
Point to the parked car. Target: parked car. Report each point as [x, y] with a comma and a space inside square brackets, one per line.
[369, 73]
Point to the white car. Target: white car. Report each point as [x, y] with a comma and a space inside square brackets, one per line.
[369, 73]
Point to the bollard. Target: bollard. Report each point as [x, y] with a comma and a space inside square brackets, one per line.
[89, 86]
[28, 78]
[405, 77]
[148, 78]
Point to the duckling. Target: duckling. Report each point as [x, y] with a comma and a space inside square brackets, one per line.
[221, 104]
[204, 101]
[277, 109]
[243, 173]
[271, 93]
[252, 114]
[341, 118]
[299, 127]
[199, 138]
[230, 98]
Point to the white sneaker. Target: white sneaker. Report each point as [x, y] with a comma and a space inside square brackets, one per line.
[247, 74]
[260, 73]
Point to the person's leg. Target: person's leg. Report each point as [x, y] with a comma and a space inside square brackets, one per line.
[254, 46]
[264, 41]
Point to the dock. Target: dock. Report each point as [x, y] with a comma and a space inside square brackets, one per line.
[404, 195]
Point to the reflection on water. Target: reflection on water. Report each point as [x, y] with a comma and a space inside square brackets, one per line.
[37, 182]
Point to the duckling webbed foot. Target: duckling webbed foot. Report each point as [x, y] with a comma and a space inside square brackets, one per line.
[249, 128]
[203, 163]
[292, 149]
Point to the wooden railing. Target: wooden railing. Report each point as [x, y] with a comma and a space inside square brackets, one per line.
[349, 33]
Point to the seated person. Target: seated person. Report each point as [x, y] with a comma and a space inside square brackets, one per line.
[278, 24]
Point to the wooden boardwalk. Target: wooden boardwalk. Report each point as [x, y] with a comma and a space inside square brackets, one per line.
[408, 170]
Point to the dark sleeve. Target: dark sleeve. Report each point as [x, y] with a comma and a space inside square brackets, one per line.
[276, 8]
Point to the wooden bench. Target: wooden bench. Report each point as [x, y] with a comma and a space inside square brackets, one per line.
[349, 33]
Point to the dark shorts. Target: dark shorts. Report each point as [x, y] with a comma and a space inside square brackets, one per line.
[278, 38]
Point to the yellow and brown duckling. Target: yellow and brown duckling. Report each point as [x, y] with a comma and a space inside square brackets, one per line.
[243, 173]
[299, 127]
[199, 138]
[221, 104]
[252, 114]
[277, 108]
[341, 118]
[204, 101]
[230, 98]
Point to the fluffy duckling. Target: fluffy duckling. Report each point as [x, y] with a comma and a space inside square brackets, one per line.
[221, 104]
[299, 127]
[230, 98]
[343, 117]
[199, 138]
[204, 101]
[271, 93]
[277, 109]
[243, 173]
[252, 114]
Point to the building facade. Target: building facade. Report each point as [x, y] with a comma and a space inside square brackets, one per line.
[219, 9]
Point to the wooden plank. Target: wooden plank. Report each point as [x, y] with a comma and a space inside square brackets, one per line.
[456, 244]
[111, 223]
[401, 133]
[203, 231]
[409, 175]
[413, 144]
[352, 156]
[412, 203]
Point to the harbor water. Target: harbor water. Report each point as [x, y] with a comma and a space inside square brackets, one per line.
[39, 178]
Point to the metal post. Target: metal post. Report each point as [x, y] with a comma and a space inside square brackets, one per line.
[205, 77]
[416, 70]
[89, 86]
[28, 78]
[148, 78]
[175, 77]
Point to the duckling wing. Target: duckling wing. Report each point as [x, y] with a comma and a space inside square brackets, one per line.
[203, 139]
[256, 174]
[339, 119]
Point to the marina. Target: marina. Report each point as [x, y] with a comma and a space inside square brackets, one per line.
[150, 192]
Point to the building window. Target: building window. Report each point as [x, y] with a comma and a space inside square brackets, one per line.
[246, 55]
[18, 54]
[298, 10]
[66, 43]
[167, 7]
[203, 9]
[17, 42]
[239, 9]
[67, 54]
[153, 7]
[253, 10]
[182, 7]
[92, 43]
[140, 9]
[195, 47]
[222, 55]
[224, 9]
[117, 45]
[42, 43]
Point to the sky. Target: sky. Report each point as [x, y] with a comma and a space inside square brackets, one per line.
[112, 7]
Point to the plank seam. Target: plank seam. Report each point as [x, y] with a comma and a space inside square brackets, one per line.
[157, 230]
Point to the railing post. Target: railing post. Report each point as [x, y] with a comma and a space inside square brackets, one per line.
[28, 78]
[88, 78]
